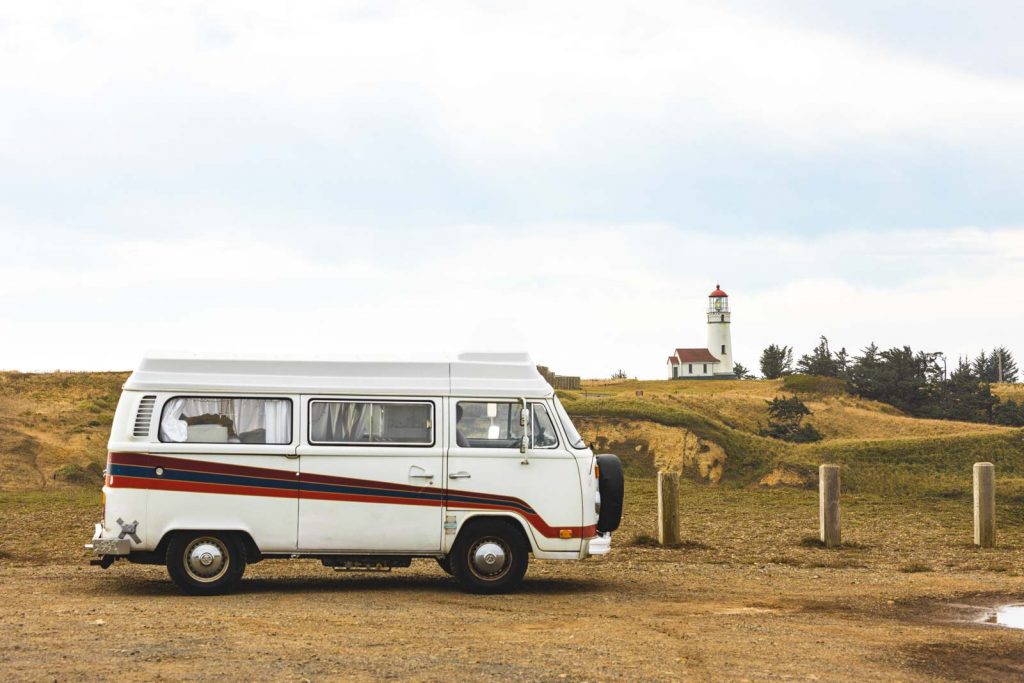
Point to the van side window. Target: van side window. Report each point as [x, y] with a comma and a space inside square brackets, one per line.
[398, 423]
[204, 419]
[482, 424]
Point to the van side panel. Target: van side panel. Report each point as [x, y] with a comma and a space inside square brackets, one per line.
[191, 486]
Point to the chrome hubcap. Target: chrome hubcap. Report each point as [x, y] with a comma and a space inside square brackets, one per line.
[206, 559]
[489, 559]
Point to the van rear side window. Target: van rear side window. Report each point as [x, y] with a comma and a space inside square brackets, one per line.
[393, 423]
[205, 419]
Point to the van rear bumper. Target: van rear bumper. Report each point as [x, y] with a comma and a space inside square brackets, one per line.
[108, 546]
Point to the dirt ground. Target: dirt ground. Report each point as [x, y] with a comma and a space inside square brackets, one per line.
[748, 596]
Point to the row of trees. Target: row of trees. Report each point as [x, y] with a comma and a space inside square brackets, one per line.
[913, 381]
[777, 361]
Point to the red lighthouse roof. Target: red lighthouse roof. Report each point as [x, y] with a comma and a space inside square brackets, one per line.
[718, 292]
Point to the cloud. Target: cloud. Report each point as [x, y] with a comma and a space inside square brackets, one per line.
[492, 85]
[582, 298]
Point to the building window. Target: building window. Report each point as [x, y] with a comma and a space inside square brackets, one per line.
[691, 368]
[723, 348]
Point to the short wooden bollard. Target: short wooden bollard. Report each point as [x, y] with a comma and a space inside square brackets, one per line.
[668, 508]
[828, 505]
[984, 504]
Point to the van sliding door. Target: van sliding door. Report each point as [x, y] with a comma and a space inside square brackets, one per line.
[370, 474]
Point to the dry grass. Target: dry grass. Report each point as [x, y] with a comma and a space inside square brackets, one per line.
[54, 423]
[742, 405]
[1008, 391]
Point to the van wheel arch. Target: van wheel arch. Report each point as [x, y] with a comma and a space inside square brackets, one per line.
[512, 520]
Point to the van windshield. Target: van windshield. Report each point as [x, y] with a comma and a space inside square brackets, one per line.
[575, 440]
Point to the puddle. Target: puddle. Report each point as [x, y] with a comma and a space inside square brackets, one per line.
[1010, 616]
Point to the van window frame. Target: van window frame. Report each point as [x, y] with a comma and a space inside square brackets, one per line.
[374, 444]
[291, 419]
[531, 402]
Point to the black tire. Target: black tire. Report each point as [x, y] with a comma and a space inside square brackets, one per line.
[612, 486]
[445, 564]
[199, 577]
[507, 573]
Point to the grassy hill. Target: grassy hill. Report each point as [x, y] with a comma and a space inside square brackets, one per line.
[708, 430]
[54, 428]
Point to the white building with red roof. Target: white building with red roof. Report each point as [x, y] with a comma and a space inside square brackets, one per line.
[715, 361]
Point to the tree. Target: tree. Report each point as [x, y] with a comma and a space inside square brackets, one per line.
[776, 361]
[820, 361]
[864, 372]
[785, 421]
[995, 367]
[619, 374]
[1008, 413]
[964, 396]
[897, 376]
[741, 372]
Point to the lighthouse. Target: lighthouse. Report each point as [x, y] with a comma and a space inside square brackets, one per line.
[719, 337]
[716, 360]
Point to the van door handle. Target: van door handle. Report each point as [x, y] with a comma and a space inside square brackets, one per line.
[417, 472]
[459, 475]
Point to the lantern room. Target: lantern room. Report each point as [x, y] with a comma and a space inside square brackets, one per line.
[718, 301]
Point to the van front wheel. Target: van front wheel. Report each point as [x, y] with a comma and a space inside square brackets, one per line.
[205, 563]
[490, 556]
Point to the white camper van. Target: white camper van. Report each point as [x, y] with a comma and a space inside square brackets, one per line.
[214, 464]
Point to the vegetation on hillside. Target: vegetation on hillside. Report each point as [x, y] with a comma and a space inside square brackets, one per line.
[54, 428]
[881, 448]
[913, 381]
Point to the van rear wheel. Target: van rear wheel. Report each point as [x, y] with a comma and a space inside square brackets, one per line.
[205, 563]
[490, 556]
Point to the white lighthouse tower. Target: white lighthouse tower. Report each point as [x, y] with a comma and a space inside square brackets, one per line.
[719, 336]
[715, 361]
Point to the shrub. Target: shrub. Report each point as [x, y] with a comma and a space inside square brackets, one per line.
[73, 473]
[813, 384]
[785, 421]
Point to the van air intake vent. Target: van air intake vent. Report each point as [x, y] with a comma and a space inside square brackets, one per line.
[144, 416]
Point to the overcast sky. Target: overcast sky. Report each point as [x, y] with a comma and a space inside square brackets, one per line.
[566, 178]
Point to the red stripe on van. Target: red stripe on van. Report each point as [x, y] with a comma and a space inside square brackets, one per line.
[188, 465]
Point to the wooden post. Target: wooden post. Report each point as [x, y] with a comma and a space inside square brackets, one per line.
[828, 505]
[984, 504]
[668, 508]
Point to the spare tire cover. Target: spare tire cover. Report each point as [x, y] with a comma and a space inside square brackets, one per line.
[612, 486]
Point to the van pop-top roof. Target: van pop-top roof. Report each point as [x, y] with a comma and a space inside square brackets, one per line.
[497, 375]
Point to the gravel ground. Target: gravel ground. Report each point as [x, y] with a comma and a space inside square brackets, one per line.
[751, 600]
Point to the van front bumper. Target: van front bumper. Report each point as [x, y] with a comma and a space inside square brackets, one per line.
[108, 546]
[600, 544]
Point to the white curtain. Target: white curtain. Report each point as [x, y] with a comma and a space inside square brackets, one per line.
[172, 427]
[278, 421]
[246, 414]
[340, 422]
